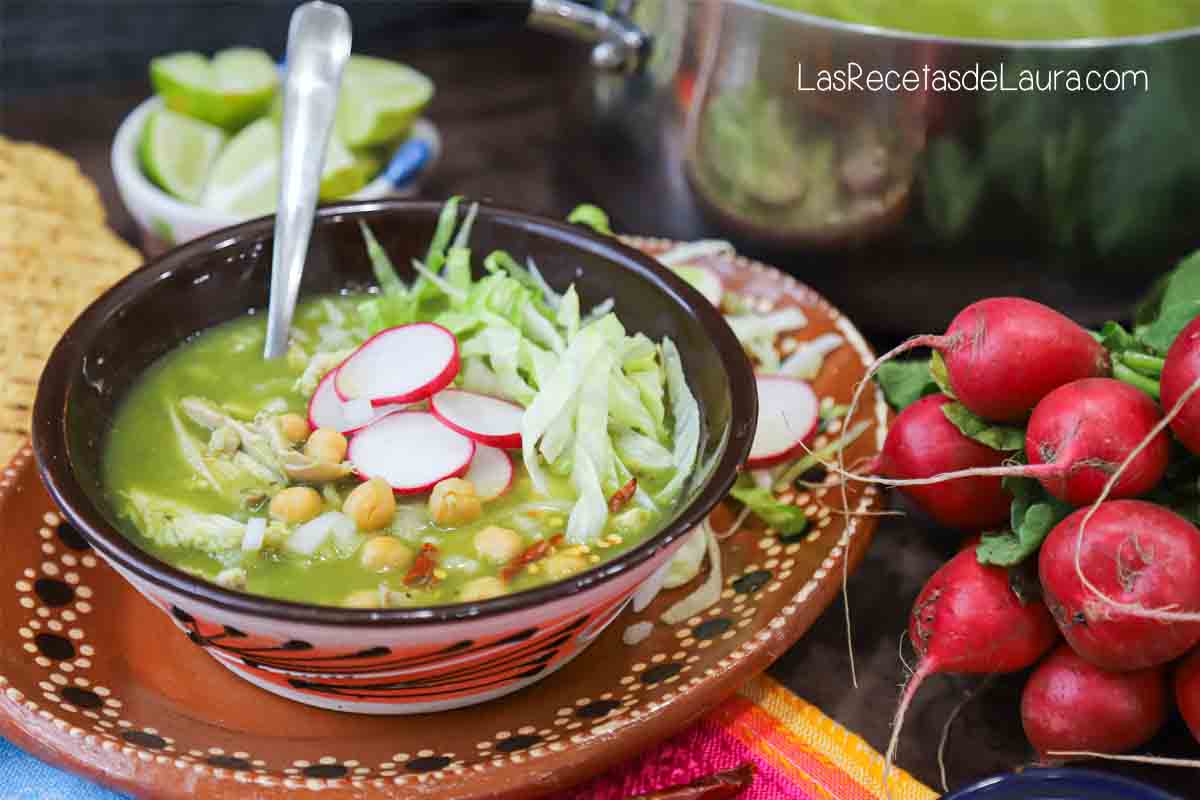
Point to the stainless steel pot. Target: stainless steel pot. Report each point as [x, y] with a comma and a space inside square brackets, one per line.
[902, 205]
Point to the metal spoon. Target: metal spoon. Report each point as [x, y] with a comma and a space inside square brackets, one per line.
[317, 49]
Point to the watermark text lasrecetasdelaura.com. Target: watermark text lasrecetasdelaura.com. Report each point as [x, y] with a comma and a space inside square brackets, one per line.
[854, 77]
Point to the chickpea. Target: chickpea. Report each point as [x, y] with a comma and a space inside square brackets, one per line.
[563, 565]
[371, 505]
[481, 589]
[294, 428]
[498, 545]
[453, 502]
[383, 553]
[363, 598]
[296, 504]
[326, 445]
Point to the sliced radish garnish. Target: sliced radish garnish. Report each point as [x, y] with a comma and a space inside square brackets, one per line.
[399, 365]
[410, 450]
[787, 416]
[483, 418]
[326, 410]
[491, 472]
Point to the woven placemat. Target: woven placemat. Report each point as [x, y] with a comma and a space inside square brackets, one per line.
[56, 256]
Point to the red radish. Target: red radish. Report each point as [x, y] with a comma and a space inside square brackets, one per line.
[787, 416]
[399, 365]
[921, 443]
[1141, 557]
[410, 450]
[1187, 691]
[1181, 370]
[1005, 354]
[491, 472]
[1077, 438]
[968, 620]
[1090, 426]
[326, 410]
[486, 419]
[1071, 704]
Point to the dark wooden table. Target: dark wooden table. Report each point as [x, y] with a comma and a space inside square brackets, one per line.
[498, 108]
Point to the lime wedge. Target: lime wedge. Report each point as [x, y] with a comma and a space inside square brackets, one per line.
[371, 161]
[379, 100]
[245, 178]
[232, 89]
[177, 151]
[343, 173]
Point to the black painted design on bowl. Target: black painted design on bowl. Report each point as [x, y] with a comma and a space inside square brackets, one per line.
[151, 741]
[84, 698]
[53, 592]
[228, 762]
[712, 628]
[751, 582]
[660, 672]
[69, 535]
[427, 764]
[522, 741]
[53, 646]
[526, 661]
[597, 709]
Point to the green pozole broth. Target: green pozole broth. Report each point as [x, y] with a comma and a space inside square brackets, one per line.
[1011, 19]
[164, 505]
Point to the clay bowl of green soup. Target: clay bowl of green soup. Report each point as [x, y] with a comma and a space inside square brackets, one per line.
[489, 431]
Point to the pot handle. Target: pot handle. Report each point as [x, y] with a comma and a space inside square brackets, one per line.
[619, 44]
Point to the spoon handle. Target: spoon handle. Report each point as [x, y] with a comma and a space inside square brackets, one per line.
[317, 49]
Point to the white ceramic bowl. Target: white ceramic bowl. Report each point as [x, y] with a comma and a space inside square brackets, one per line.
[166, 221]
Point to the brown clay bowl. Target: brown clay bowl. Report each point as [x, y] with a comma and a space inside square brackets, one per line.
[387, 661]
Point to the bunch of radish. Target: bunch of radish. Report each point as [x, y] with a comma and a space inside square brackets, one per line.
[1078, 450]
[390, 398]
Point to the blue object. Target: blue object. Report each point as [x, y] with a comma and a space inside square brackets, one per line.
[1059, 783]
[407, 162]
[23, 777]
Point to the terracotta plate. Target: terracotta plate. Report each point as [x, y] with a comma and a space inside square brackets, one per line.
[95, 680]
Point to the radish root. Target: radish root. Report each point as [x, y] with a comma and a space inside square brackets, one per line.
[910, 689]
[1017, 470]
[1161, 760]
[1134, 609]
[962, 703]
[908, 670]
[914, 342]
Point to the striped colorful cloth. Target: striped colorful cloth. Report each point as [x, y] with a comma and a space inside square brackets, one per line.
[798, 754]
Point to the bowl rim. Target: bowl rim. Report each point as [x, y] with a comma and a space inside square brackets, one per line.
[64, 368]
[1050, 778]
[128, 174]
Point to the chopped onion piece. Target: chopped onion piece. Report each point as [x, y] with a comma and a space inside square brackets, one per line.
[690, 251]
[256, 530]
[637, 633]
[345, 531]
[763, 478]
[806, 361]
[650, 589]
[707, 594]
[312, 534]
